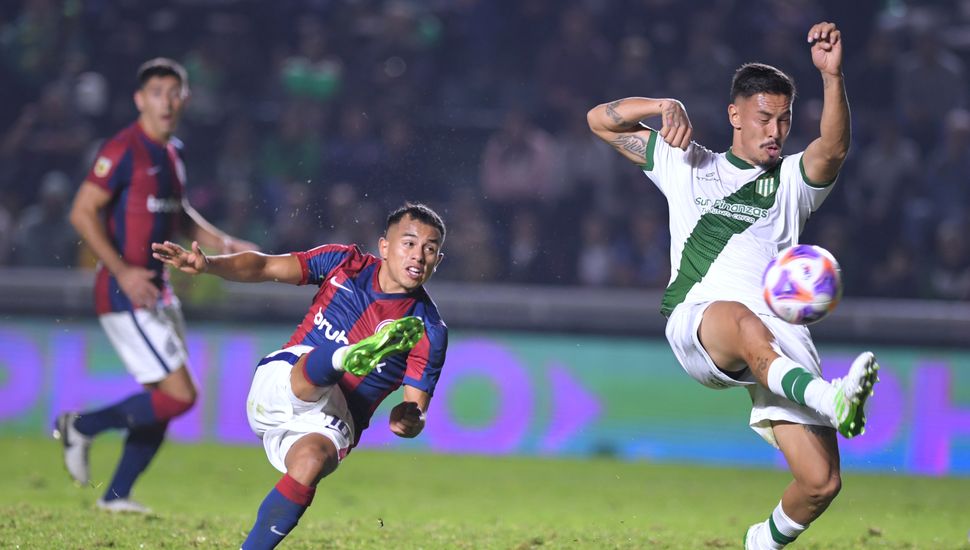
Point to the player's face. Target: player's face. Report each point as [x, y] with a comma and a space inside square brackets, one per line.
[160, 102]
[761, 125]
[411, 251]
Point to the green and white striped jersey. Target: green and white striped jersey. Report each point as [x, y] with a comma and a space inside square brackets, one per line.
[727, 220]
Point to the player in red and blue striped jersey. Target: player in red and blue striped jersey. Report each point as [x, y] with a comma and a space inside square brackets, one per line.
[134, 196]
[370, 329]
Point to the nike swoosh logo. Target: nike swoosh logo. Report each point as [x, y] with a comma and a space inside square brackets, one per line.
[333, 281]
[153, 170]
[273, 530]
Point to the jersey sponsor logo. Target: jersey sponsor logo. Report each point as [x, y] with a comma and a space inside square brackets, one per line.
[333, 281]
[162, 206]
[102, 166]
[329, 332]
[710, 176]
[742, 212]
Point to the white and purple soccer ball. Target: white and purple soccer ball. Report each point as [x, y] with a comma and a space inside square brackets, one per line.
[802, 284]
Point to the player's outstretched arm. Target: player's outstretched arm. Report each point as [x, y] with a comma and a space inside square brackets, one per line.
[618, 123]
[245, 267]
[824, 157]
[211, 236]
[407, 418]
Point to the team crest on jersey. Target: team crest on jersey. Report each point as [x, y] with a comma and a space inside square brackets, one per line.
[766, 185]
[102, 167]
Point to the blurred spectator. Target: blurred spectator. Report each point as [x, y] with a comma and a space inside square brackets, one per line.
[947, 181]
[472, 254]
[519, 163]
[296, 224]
[44, 237]
[948, 276]
[354, 151]
[930, 81]
[886, 174]
[587, 167]
[525, 263]
[6, 232]
[595, 264]
[573, 66]
[870, 74]
[643, 256]
[292, 151]
[401, 169]
[313, 71]
[236, 160]
[897, 276]
[47, 136]
[629, 76]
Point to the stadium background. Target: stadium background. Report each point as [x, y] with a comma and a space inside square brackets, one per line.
[309, 119]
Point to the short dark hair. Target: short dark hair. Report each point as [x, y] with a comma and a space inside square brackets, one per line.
[758, 78]
[162, 66]
[417, 211]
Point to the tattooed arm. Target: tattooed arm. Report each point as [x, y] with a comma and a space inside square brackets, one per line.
[618, 123]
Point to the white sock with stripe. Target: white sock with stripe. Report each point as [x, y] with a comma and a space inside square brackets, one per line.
[790, 380]
[779, 530]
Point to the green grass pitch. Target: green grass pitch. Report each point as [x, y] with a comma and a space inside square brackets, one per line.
[205, 496]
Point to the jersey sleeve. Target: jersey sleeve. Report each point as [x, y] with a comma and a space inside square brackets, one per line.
[809, 194]
[318, 262]
[111, 170]
[427, 357]
[663, 162]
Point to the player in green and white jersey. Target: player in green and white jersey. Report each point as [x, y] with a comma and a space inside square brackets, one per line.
[730, 213]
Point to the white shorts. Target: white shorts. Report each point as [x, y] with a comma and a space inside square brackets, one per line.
[793, 341]
[280, 419]
[150, 342]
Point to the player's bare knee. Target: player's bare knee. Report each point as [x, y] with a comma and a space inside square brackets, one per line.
[311, 461]
[822, 489]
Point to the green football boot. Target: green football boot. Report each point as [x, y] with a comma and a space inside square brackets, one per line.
[851, 394]
[395, 337]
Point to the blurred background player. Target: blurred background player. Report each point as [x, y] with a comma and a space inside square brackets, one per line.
[311, 400]
[730, 213]
[133, 196]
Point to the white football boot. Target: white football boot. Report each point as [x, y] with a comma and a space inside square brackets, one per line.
[76, 447]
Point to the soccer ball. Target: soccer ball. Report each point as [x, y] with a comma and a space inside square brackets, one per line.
[802, 284]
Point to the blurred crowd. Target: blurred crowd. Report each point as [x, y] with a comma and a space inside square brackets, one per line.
[309, 119]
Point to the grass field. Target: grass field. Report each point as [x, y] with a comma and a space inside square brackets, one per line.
[205, 496]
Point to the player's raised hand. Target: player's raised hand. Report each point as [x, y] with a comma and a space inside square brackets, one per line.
[826, 41]
[193, 262]
[138, 285]
[676, 129]
[407, 419]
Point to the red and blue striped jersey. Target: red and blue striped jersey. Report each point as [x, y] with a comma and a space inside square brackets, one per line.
[146, 180]
[349, 306]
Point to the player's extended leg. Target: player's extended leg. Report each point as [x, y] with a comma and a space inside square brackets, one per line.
[177, 393]
[309, 460]
[812, 453]
[325, 366]
[141, 414]
[736, 338]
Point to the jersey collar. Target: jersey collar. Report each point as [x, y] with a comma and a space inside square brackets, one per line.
[738, 161]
